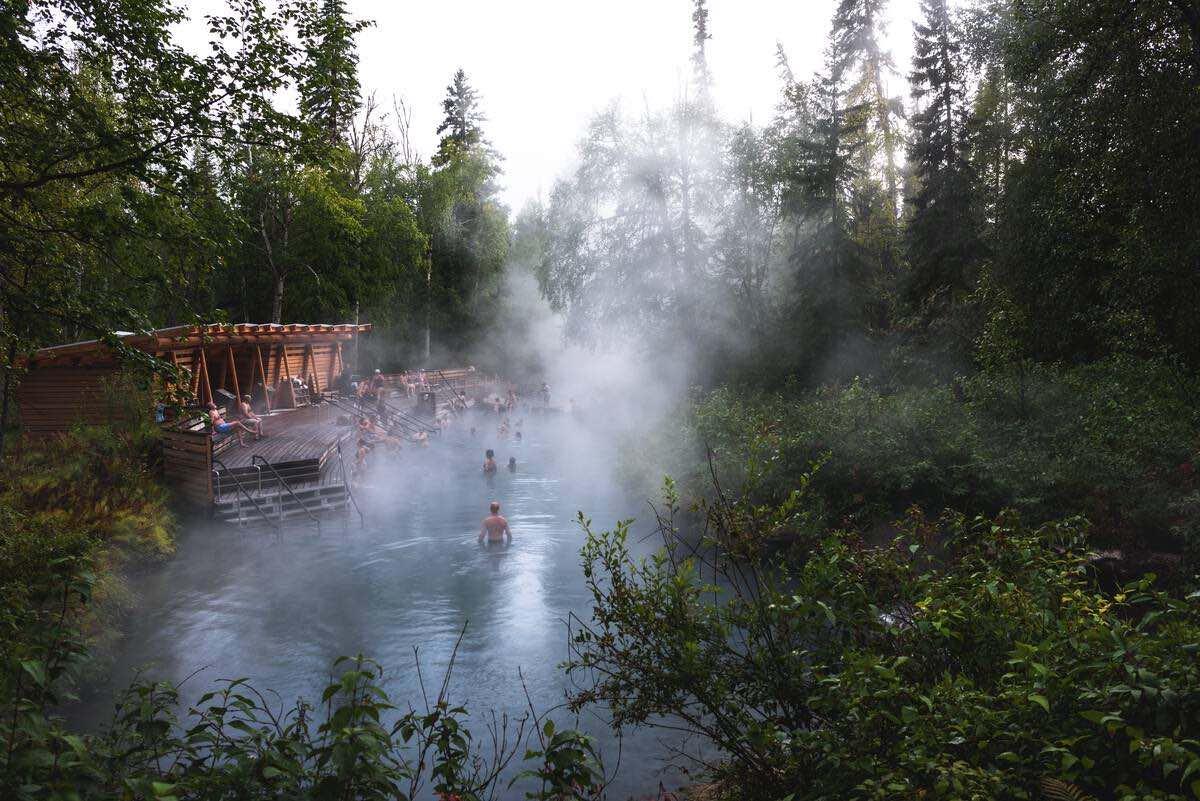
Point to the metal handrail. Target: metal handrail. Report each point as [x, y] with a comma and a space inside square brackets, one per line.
[362, 519]
[462, 396]
[359, 411]
[408, 423]
[420, 424]
[237, 482]
[283, 483]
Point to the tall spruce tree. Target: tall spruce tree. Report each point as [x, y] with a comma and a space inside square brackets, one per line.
[860, 64]
[329, 87]
[942, 238]
[461, 127]
[830, 301]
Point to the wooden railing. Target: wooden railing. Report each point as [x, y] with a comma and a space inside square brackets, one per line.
[462, 379]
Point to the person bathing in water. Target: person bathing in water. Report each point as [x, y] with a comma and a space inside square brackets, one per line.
[512, 464]
[495, 527]
[489, 462]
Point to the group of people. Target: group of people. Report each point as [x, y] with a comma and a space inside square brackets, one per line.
[246, 422]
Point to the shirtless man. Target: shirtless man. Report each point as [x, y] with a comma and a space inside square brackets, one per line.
[489, 462]
[222, 426]
[249, 419]
[495, 527]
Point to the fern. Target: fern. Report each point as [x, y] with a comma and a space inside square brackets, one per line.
[1059, 790]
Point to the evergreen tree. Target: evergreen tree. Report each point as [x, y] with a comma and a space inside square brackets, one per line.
[329, 87]
[830, 270]
[860, 64]
[461, 127]
[467, 227]
[942, 236]
[700, 35]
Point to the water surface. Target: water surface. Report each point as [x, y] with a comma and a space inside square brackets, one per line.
[278, 608]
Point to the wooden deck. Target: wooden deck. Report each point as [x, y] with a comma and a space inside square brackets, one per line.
[293, 435]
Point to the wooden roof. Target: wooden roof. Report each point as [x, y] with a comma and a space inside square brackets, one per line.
[189, 337]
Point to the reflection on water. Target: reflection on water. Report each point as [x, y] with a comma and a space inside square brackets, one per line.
[279, 608]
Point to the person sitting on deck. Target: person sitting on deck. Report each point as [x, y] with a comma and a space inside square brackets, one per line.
[489, 461]
[249, 419]
[495, 527]
[222, 426]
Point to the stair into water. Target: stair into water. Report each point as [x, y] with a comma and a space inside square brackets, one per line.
[316, 499]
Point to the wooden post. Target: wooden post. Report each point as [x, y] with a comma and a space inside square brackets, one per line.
[310, 360]
[237, 389]
[207, 380]
[263, 372]
[335, 364]
[194, 380]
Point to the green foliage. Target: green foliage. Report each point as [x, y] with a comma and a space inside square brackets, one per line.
[970, 658]
[1114, 440]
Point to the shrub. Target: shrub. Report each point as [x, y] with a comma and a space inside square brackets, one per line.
[970, 658]
[1114, 440]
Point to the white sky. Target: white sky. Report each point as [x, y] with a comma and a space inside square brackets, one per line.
[543, 67]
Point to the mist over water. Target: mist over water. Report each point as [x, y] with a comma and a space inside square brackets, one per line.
[279, 608]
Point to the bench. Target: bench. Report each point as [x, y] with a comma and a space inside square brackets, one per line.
[220, 442]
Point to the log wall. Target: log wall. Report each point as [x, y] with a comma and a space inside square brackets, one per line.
[55, 399]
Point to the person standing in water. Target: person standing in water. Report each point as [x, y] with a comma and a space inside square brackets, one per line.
[495, 527]
[489, 462]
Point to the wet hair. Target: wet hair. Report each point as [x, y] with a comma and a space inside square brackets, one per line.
[491, 454]
[246, 398]
[495, 507]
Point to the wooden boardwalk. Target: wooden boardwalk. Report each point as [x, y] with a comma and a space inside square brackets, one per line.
[309, 433]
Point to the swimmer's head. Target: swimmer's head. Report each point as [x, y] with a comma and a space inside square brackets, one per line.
[495, 507]
[490, 453]
[512, 461]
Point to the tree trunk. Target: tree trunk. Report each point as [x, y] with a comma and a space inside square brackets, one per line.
[884, 115]
[428, 301]
[7, 392]
[277, 300]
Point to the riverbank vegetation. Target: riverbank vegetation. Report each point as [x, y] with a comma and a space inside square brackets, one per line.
[972, 657]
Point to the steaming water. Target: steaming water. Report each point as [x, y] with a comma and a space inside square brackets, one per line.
[279, 609]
